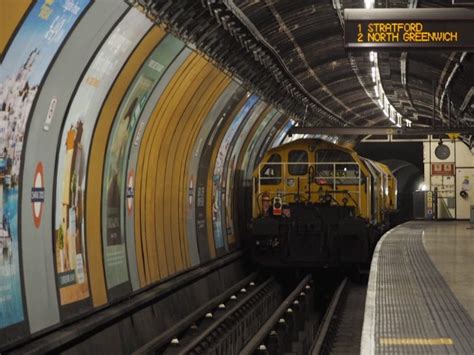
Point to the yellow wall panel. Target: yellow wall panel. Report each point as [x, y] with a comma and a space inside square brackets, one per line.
[219, 85]
[162, 180]
[155, 252]
[178, 101]
[12, 13]
[182, 137]
[97, 156]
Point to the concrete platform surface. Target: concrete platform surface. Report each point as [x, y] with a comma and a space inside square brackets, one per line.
[420, 297]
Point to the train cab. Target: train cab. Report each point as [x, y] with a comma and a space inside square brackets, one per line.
[316, 204]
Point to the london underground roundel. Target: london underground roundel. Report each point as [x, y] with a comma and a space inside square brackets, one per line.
[130, 191]
[37, 194]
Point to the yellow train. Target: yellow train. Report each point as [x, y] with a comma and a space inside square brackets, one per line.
[319, 204]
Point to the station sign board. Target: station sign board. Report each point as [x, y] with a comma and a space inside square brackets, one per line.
[402, 29]
[442, 169]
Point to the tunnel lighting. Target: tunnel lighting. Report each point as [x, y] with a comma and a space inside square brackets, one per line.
[422, 187]
[390, 112]
[369, 4]
[372, 57]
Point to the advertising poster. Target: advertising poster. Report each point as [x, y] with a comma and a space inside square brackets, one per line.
[218, 182]
[230, 168]
[74, 145]
[22, 70]
[114, 202]
[206, 250]
[257, 135]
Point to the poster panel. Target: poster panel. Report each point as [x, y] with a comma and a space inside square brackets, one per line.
[22, 71]
[218, 183]
[194, 165]
[117, 185]
[229, 171]
[74, 145]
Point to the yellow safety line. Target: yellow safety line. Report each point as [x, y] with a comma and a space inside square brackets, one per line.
[416, 341]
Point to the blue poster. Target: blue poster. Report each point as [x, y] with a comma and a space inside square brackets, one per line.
[218, 185]
[21, 73]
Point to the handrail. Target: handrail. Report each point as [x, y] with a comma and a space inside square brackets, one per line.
[335, 179]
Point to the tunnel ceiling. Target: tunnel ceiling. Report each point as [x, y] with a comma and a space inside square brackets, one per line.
[292, 52]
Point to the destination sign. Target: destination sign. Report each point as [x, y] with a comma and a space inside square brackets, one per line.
[447, 28]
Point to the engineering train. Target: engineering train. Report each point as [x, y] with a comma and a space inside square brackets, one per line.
[320, 205]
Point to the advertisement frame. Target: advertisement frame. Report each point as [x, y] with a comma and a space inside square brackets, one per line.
[16, 331]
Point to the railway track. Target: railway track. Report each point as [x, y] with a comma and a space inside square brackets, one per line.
[224, 324]
[260, 316]
[252, 315]
[291, 326]
[341, 329]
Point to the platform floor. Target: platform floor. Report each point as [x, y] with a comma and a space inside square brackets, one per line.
[420, 297]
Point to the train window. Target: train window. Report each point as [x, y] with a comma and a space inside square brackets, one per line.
[330, 163]
[298, 156]
[333, 156]
[271, 173]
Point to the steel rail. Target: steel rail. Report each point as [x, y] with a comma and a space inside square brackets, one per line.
[173, 332]
[258, 339]
[195, 342]
[328, 317]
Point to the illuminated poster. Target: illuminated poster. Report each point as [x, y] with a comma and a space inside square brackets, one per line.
[253, 142]
[114, 187]
[229, 170]
[204, 165]
[74, 144]
[218, 184]
[22, 71]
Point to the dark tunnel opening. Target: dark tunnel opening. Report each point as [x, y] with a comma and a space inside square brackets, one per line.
[405, 160]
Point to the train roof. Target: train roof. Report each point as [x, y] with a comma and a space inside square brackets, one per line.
[318, 143]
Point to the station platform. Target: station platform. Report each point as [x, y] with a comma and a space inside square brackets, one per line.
[420, 297]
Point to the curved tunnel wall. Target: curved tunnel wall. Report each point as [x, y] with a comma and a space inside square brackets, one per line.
[122, 155]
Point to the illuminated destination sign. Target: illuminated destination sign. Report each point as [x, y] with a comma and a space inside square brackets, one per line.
[447, 28]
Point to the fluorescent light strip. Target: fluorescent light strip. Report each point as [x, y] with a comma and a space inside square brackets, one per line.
[384, 103]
